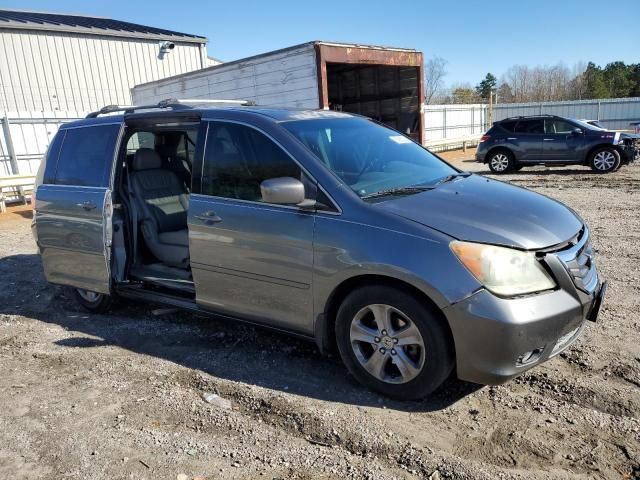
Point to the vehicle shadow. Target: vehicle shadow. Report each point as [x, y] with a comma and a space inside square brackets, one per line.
[212, 345]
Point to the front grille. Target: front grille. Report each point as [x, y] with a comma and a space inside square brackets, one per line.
[579, 262]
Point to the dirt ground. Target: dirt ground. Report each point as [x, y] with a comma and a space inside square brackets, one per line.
[121, 395]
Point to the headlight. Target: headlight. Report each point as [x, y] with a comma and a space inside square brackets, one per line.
[503, 271]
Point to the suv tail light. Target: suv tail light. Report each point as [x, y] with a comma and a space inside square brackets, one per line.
[484, 138]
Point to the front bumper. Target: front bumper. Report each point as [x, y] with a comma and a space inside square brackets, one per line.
[497, 338]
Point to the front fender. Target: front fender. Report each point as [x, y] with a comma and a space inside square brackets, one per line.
[421, 257]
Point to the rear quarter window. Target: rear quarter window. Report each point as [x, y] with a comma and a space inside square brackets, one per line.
[47, 171]
[509, 125]
[86, 156]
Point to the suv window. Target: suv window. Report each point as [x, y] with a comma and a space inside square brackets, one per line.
[238, 158]
[558, 127]
[86, 156]
[530, 126]
[141, 140]
[509, 125]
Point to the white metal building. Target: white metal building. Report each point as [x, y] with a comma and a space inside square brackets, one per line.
[58, 67]
[54, 62]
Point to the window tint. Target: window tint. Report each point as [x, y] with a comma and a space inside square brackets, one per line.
[530, 126]
[86, 156]
[238, 158]
[48, 168]
[509, 125]
[559, 127]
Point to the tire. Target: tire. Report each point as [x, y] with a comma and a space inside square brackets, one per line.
[385, 317]
[501, 161]
[604, 160]
[93, 301]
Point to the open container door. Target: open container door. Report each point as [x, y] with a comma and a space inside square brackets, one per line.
[381, 83]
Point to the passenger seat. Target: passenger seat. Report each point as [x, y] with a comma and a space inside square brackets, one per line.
[162, 202]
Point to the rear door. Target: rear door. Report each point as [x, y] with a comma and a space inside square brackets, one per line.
[73, 207]
[249, 258]
[560, 143]
[527, 139]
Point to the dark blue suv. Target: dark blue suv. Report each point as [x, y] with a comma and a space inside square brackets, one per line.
[513, 143]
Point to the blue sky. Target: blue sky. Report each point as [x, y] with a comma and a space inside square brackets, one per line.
[474, 37]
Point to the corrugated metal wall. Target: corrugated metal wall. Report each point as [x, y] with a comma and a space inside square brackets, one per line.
[49, 71]
[614, 113]
[287, 78]
[454, 121]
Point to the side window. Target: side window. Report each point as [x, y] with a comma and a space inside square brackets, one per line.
[238, 158]
[509, 125]
[187, 146]
[48, 167]
[559, 127]
[140, 140]
[86, 156]
[530, 126]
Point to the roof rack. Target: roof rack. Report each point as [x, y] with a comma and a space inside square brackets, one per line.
[528, 116]
[173, 103]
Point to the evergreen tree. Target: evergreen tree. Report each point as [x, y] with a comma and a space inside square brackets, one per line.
[487, 85]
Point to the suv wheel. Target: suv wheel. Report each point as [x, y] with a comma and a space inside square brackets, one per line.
[93, 301]
[604, 160]
[501, 161]
[393, 343]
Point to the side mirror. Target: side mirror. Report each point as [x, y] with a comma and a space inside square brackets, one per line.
[577, 131]
[282, 191]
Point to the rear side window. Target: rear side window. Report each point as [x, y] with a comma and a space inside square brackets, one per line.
[238, 158]
[509, 125]
[530, 126]
[48, 167]
[86, 156]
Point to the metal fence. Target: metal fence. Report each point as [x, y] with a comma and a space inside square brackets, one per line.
[456, 121]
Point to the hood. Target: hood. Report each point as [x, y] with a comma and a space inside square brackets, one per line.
[479, 209]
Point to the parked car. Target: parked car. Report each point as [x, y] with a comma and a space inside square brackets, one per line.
[516, 142]
[323, 224]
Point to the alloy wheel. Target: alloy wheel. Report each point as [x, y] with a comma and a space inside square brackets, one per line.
[604, 160]
[500, 162]
[88, 295]
[387, 343]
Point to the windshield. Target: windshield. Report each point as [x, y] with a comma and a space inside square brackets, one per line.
[368, 157]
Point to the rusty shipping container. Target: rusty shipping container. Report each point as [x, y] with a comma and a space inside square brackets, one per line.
[383, 83]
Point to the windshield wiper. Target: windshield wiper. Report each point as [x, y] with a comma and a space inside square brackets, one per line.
[453, 176]
[398, 191]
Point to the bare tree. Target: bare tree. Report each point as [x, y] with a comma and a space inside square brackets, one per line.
[435, 72]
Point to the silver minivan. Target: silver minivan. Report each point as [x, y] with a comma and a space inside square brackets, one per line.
[323, 224]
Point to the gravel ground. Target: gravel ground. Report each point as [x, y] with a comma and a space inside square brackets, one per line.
[121, 395]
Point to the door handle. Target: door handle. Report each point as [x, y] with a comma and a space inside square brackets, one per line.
[511, 138]
[549, 139]
[88, 205]
[208, 217]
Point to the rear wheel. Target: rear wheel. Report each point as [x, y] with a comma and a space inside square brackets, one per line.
[501, 161]
[93, 301]
[604, 160]
[393, 342]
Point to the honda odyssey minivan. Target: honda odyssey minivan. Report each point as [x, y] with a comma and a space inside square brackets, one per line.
[322, 224]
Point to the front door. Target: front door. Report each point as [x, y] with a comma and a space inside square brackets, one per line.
[249, 258]
[560, 143]
[73, 207]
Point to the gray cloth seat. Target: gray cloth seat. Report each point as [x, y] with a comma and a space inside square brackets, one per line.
[162, 203]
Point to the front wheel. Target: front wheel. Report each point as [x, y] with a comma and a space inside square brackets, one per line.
[93, 301]
[393, 342]
[605, 160]
[501, 161]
